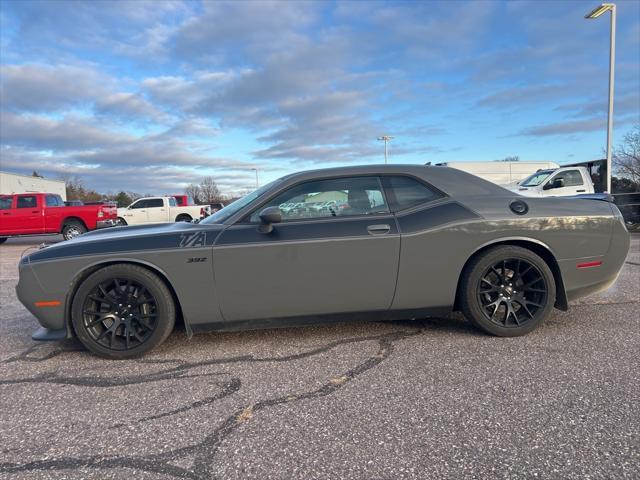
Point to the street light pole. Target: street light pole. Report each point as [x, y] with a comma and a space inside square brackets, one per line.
[385, 139]
[612, 60]
[256, 170]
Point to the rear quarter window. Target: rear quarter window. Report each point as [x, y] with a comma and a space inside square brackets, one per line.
[407, 192]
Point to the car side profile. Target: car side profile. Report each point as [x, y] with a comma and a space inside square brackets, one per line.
[391, 242]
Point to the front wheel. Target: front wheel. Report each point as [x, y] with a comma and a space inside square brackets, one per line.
[2, 240]
[121, 222]
[72, 229]
[122, 311]
[507, 291]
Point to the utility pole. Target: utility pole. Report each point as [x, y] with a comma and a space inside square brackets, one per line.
[256, 170]
[385, 139]
[609, 7]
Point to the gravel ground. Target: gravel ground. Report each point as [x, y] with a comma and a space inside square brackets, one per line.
[426, 399]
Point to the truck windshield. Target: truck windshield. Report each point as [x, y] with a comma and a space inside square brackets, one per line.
[231, 209]
[536, 179]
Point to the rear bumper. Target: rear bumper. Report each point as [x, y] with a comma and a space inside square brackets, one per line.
[105, 223]
[580, 282]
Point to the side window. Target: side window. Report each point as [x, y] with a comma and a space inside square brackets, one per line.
[572, 178]
[172, 202]
[5, 203]
[139, 204]
[155, 202]
[52, 201]
[338, 197]
[406, 192]
[27, 201]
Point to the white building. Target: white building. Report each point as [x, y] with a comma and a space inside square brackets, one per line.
[14, 183]
[502, 173]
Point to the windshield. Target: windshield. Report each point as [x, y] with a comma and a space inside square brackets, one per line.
[230, 210]
[536, 179]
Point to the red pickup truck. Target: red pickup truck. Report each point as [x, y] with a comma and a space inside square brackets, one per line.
[46, 213]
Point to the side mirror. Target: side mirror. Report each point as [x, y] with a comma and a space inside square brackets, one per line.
[268, 217]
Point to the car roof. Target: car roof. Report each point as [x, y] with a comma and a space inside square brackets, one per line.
[448, 179]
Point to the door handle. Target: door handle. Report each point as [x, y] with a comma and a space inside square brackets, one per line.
[378, 229]
[35, 211]
[580, 190]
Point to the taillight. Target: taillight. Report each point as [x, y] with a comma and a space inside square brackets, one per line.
[100, 213]
[202, 212]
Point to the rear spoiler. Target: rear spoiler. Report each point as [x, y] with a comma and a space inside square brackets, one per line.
[605, 197]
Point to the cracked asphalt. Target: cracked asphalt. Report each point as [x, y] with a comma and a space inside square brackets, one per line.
[431, 398]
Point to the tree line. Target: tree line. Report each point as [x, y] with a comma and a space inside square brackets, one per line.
[206, 192]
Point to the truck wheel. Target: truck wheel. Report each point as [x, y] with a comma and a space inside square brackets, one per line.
[183, 217]
[2, 240]
[73, 228]
[507, 291]
[122, 311]
[121, 222]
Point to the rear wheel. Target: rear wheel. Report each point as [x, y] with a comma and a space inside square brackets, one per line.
[2, 240]
[507, 291]
[183, 217]
[73, 228]
[123, 311]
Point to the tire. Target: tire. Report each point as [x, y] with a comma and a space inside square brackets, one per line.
[111, 327]
[72, 228]
[183, 217]
[507, 291]
[121, 222]
[3, 239]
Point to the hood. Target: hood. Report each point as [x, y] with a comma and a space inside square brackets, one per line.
[121, 240]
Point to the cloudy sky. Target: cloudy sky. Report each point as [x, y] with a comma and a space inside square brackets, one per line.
[149, 96]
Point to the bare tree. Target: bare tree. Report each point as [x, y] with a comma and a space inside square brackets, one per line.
[193, 191]
[209, 192]
[513, 158]
[626, 156]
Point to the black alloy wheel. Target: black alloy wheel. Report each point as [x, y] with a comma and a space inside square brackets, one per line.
[122, 311]
[507, 290]
[120, 314]
[511, 292]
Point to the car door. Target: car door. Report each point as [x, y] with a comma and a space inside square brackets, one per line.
[137, 212]
[52, 213]
[571, 181]
[7, 218]
[157, 212]
[314, 262]
[26, 218]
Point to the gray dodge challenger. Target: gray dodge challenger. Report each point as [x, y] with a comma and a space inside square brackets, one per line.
[370, 242]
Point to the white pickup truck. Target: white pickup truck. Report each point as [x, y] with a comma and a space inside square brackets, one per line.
[157, 210]
[556, 182]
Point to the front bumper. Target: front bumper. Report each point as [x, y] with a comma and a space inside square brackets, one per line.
[105, 223]
[30, 292]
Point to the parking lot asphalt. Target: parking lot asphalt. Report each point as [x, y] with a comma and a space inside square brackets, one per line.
[430, 398]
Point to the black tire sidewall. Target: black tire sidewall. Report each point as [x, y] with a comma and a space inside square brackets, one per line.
[469, 301]
[157, 288]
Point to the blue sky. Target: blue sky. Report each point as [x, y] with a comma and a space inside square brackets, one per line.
[150, 96]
